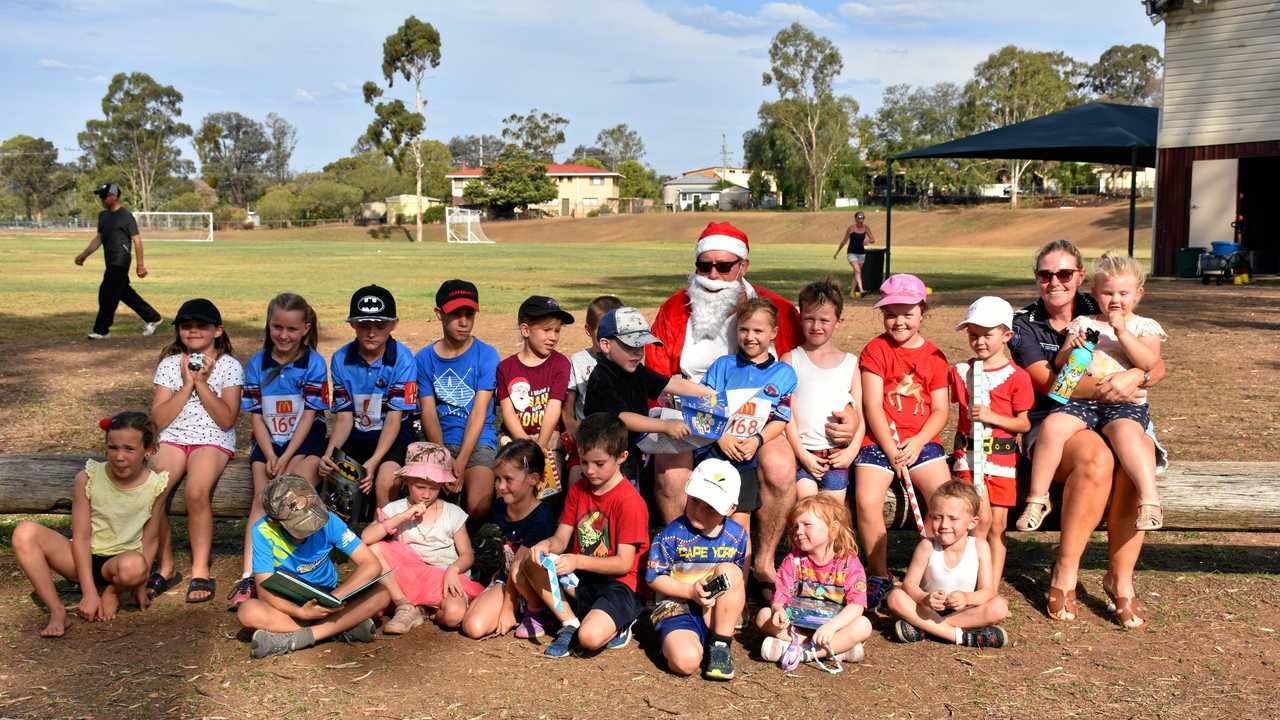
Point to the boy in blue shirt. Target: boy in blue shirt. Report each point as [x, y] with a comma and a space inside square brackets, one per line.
[457, 375]
[696, 547]
[375, 394]
[297, 535]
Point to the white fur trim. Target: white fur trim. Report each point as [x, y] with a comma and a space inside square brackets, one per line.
[728, 243]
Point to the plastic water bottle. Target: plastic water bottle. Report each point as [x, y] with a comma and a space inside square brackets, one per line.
[1071, 373]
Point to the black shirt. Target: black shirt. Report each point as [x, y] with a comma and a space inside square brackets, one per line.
[1035, 340]
[117, 230]
[538, 525]
[610, 389]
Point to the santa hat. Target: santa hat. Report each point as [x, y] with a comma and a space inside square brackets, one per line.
[723, 236]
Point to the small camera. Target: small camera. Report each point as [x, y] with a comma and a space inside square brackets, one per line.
[195, 362]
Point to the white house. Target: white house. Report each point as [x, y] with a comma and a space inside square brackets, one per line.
[707, 186]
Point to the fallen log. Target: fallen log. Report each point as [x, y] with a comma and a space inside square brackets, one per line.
[1243, 496]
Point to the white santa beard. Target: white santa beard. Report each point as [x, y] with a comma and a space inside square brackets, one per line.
[711, 302]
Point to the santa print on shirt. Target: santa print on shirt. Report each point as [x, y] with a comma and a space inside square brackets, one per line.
[910, 376]
[1010, 390]
[531, 388]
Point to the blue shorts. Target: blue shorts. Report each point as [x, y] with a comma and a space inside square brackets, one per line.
[856, 257]
[608, 595]
[691, 621]
[873, 456]
[314, 444]
[1097, 415]
[833, 479]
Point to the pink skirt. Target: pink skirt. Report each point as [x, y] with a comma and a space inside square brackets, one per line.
[421, 583]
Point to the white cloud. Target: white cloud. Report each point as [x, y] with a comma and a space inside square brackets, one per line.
[302, 95]
[793, 12]
[341, 86]
[51, 64]
[770, 18]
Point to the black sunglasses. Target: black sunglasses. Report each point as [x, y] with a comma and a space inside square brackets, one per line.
[723, 267]
[1063, 276]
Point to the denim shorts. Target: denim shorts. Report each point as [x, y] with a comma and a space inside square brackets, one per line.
[873, 456]
[1097, 415]
[833, 479]
[856, 257]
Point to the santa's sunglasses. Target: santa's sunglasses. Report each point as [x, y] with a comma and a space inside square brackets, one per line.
[723, 267]
[1063, 276]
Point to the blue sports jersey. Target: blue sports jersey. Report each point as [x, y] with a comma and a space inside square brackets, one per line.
[755, 394]
[371, 391]
[274, 549]
[454, 383]
[689, 556]
[280, 395]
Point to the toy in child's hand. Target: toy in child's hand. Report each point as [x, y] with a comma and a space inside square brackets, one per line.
[195, 362]
[716, 586]
[341, 490]
[1077, 364]
[555, 580]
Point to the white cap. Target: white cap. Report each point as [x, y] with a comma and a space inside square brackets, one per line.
[988, 311]
[715, 482]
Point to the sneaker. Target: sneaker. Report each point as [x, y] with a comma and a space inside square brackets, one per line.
[855, 654]
[98, 336]
[877, 589]
[407, 617]
[719, 662]
[992, 636]
[361, 633]
[620, 640]
[532, 626]
[906, 632]
[266, 643]
[564, 639]
[772, 648]
[245, 589]
[149, 329]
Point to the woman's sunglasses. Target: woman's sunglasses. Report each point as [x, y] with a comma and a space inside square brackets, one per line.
[723, 267]
[1063, 276]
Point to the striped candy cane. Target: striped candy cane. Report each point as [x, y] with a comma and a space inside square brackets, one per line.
[912, 501]
[979, 394]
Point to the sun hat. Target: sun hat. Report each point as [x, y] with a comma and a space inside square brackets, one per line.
[291, 501]
[988, 311]
[428, 461]
[902, 289]
[715, 482]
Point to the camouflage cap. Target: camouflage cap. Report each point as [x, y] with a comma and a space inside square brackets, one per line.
[291, 501]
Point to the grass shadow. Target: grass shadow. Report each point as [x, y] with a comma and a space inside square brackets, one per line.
[390, 232]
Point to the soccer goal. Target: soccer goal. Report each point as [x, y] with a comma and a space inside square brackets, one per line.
[175, 226]
[463, 226]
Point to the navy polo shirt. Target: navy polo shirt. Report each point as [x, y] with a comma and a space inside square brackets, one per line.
[1035, 340]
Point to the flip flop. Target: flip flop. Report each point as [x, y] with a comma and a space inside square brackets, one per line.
[158, 584]
[205, 585]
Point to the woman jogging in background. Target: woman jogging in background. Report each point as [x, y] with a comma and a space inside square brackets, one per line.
[858, 236]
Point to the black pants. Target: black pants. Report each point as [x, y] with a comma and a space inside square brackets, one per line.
[115, 288]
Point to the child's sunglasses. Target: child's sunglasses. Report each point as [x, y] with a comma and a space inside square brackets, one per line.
[723, 267]
[1063, 276]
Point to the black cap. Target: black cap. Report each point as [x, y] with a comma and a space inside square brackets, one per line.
[540, 306]
[199, 310]
[454, 294]
[106, 189]
[372, 303]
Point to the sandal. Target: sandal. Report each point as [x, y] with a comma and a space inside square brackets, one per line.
[1033, 515]
[1061, 605]
[1150, 516]
[158, 584]
[209, 586]
[1125, 610]
[245, 589]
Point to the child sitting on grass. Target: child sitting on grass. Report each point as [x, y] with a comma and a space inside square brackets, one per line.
[298, 535]
[695, 627]
[111, 506]
[948, 591]
[424, 540]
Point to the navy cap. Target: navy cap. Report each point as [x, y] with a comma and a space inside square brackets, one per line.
[540, 306]
[198, 310]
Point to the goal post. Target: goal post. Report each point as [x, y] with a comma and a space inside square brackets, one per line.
[175, 226]
[463, 226]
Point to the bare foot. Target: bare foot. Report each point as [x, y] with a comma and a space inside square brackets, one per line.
[110, 603]
[141, 596]
[764, 573]
[57, 626]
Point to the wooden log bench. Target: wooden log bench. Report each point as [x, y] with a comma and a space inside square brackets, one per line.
[1241, 496]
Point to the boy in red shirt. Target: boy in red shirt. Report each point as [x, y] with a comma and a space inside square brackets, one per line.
[603, 535]
[1010, 397]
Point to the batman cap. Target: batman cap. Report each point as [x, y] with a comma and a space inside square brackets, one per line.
[371, 304]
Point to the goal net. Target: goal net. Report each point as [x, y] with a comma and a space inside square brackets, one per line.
[463, 226]
[175, 226]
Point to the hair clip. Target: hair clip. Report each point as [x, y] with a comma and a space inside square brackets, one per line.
[105, 423]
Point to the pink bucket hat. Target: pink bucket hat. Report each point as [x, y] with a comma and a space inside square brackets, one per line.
[429, 461]
[902, 289]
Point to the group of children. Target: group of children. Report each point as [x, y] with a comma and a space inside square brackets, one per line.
[456, 423]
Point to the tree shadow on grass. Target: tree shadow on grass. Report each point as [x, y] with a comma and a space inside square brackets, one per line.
[1118, 219]
[390, 232]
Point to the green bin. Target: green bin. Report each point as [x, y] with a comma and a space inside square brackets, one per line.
[1188, 262]
[873, 270]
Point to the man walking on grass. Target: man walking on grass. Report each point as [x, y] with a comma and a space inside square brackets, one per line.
[118, 235]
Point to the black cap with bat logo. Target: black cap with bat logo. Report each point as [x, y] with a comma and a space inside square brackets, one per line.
[371, 304]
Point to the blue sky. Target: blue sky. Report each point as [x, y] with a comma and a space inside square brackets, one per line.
[680, 73]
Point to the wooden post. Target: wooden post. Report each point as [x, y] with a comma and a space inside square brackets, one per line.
[1224, 496]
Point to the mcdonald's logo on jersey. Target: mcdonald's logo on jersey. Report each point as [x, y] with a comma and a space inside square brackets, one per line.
[748, 408]
[284, 407]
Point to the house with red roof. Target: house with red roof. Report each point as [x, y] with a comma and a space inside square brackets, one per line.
[580, 189]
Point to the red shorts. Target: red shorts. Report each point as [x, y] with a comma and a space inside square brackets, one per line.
[188, 449]
[422, 584]
[1003, 491]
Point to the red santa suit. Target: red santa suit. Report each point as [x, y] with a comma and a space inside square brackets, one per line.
[682, 353]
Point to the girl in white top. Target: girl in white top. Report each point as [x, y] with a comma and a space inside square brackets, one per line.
[827, 382]
[196, 403]
[110, 507]
[948, 591]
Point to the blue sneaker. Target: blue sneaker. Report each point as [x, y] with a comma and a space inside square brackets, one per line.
[877, 588]
[621, 639]
[564, 639]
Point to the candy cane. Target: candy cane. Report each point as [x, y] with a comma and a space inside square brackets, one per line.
[980, 394]
[910, 487]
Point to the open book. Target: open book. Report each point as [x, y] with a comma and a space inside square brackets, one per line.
[295, 589]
